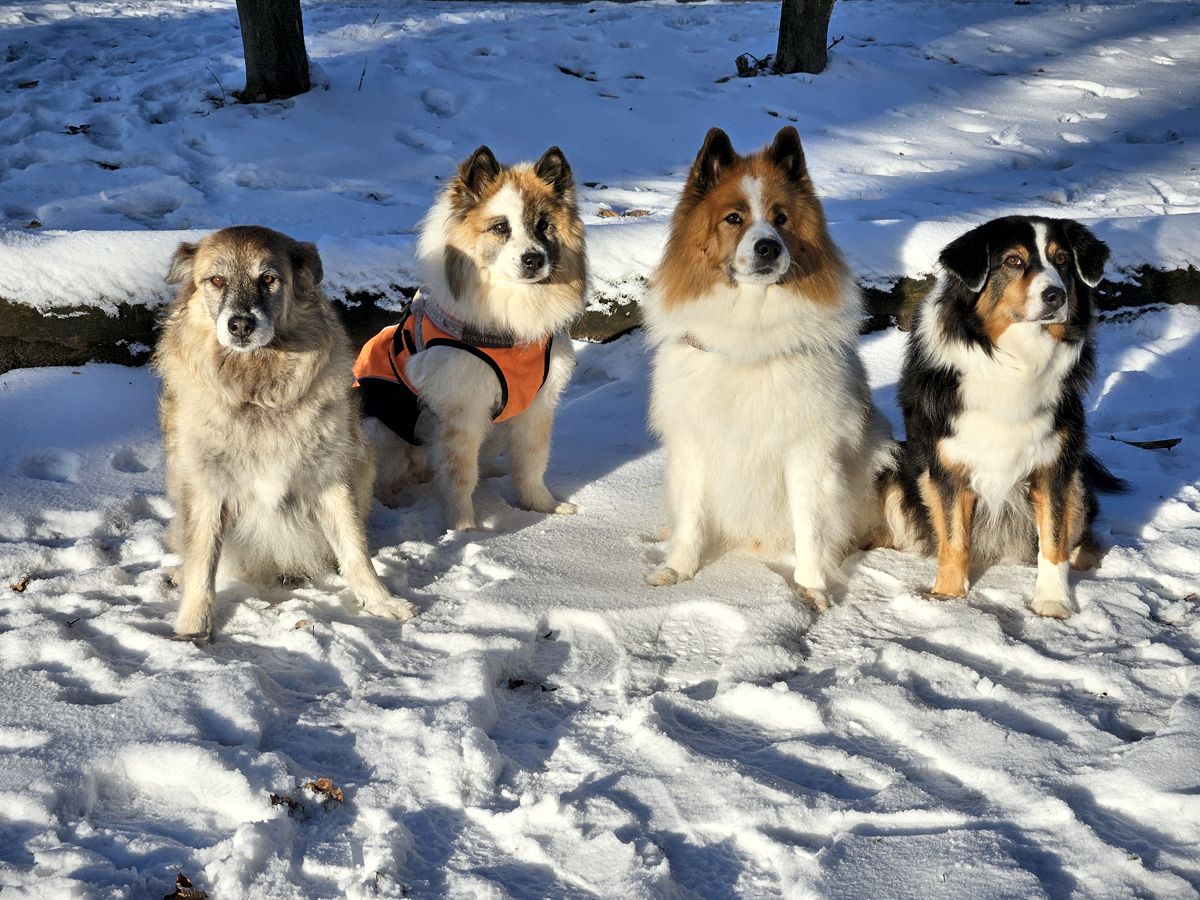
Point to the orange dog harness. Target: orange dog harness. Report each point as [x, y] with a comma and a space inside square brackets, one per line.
[387, 394]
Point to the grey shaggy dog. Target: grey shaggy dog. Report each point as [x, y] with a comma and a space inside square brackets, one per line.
[267, 465]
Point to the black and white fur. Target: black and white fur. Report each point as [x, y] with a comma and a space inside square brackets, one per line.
[992, 391]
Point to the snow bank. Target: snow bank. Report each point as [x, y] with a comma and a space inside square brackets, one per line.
[60, 270]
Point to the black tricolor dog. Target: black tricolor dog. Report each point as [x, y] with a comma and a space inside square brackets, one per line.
[999, 357]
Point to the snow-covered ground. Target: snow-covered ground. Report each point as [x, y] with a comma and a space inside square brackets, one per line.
[549, 726]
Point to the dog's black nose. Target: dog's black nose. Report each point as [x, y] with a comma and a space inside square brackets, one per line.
[767, 249]
[1054, 297]
[241, 326]
[532, 260]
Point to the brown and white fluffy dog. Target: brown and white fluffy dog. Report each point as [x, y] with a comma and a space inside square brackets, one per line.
[503, 265]
[995, 465]
[758, 391]
[267, 465]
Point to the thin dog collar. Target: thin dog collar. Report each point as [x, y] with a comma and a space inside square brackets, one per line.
[424, 305]
[791, 351]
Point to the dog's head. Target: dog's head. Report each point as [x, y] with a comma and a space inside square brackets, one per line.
[746, 220]
[246, 278]
[511, 223]
[1026, 269]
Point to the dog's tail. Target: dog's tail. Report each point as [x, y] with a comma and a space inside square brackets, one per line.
[1098, 478]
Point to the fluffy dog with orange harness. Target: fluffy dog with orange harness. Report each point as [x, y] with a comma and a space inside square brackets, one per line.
[481, 354]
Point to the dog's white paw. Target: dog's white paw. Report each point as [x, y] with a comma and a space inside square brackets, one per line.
[1052, 591]
[563, 508]
[390, 608]
[194, 625]
[463, 523]
[664, 575]
[1052, 607]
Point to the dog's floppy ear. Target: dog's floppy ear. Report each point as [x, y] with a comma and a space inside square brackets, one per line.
[306, 260]
[479, 169]
[716, 155]
[183, 262]
[554, 169]
[786, 153]
[1091, 253]
[968, 257]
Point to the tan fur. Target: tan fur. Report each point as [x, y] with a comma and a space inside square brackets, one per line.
[757, 389]
[455, 242]
[266, 461]
[1058, 536]
[701, 242]
[951, 518]
[457, 249]
[1002, 301]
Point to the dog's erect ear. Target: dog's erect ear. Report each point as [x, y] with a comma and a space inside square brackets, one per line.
[714, 157]
[1091, 253]
[306, 259]
[788, 155]
[479, 170]
[968, 257]
[554, 169]
[183, 262]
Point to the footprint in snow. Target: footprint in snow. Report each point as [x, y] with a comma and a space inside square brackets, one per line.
[693, 643]
[52, 465]
[442, 104]
[128, 459]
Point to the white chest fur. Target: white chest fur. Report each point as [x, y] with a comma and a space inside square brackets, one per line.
[1005, 430]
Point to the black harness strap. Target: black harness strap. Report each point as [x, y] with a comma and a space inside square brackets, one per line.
[480, 355]
[395, 404]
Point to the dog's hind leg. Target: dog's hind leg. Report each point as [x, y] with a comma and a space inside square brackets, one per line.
[342, 523]
[393, 462]
[204, 520]
[685, 497]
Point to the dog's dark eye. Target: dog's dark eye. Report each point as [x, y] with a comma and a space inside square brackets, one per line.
[734, 218]
[269, 279]
[217, 281]
[1060, 258]
[501, 228]
[545, 226]
[780, 220]
[1014, 261]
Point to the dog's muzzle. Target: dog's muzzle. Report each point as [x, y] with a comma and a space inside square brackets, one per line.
[1053, 306]
[244, 330]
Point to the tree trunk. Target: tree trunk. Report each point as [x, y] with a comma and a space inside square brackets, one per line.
[803, 36]
[273, 42]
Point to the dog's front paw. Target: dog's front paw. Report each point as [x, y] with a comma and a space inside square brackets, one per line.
[542, 501]
[949, 588]
[664, 575]
[390, 608]
[1052, 591]
[194, 625]
[1052, 608]
[819, 599]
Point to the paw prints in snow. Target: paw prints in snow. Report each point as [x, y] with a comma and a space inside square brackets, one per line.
[51, 465]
